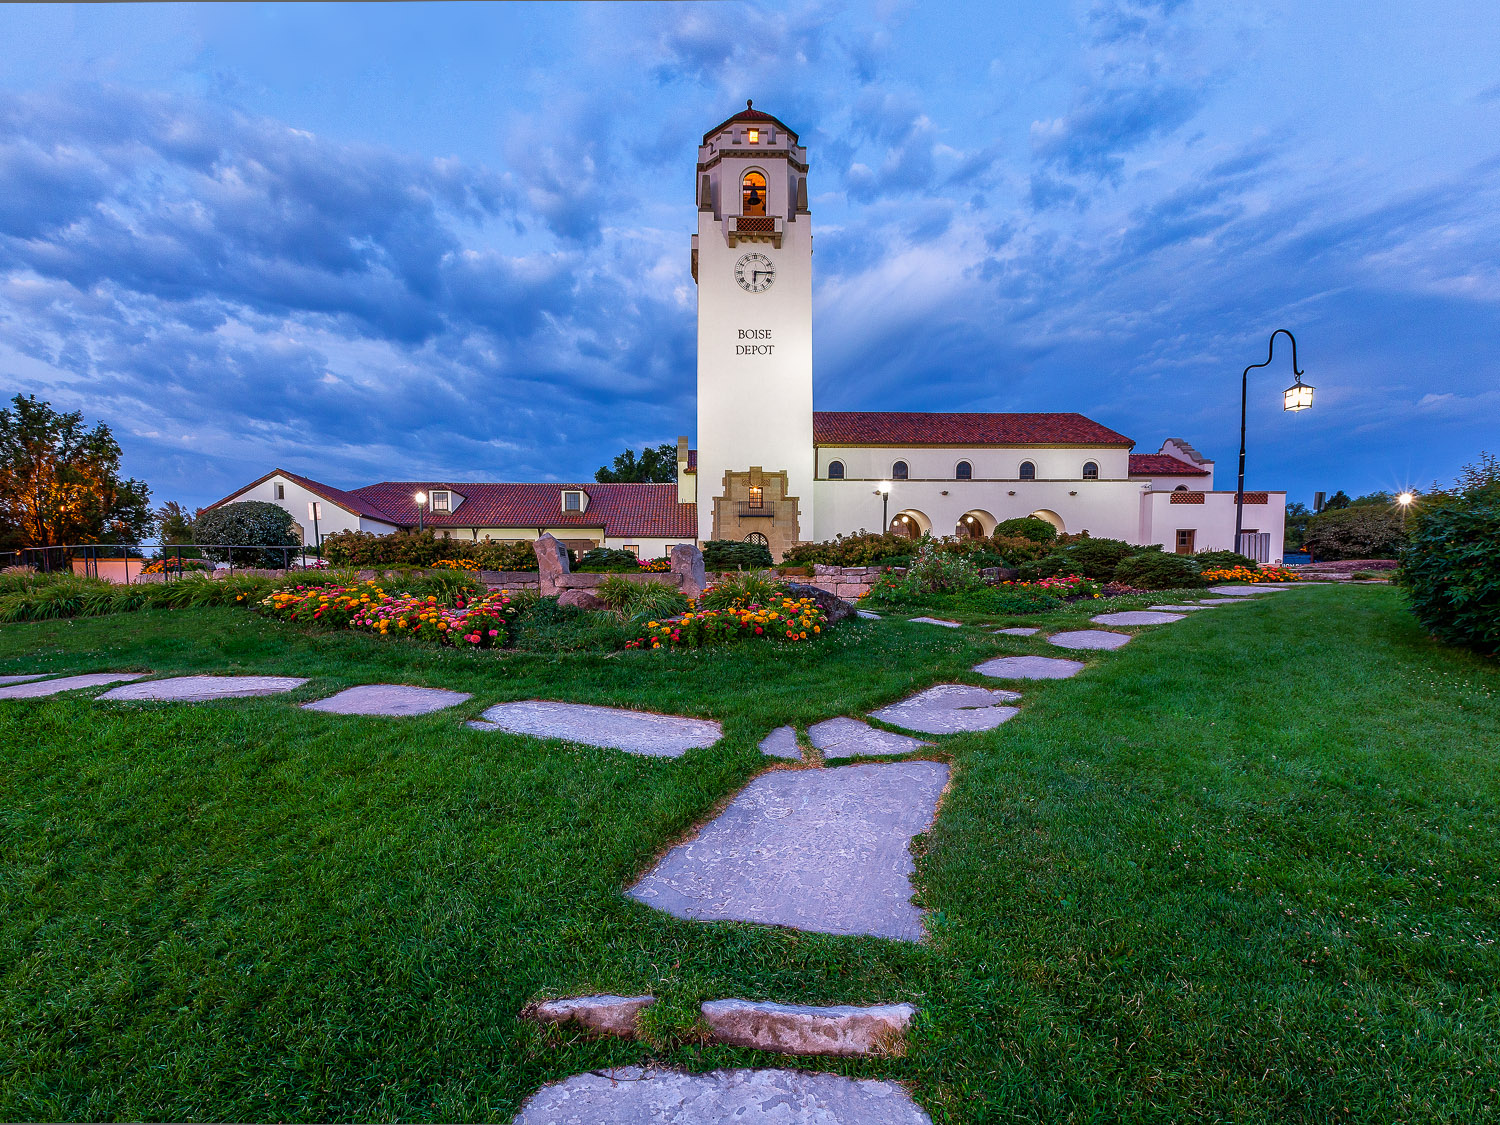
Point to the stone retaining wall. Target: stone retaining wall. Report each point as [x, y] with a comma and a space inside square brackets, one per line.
[847, 582]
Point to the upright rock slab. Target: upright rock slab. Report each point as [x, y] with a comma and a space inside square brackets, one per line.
[551, 564]
[820, 850]
[687, 564]
[651, 1096]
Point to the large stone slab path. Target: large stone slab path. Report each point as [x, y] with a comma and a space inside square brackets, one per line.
[1095, 639]
[823, 850]
[22, 679]
[1136, 617]
[201, 689]
[1029, 668]
[612, 728]
[652, 1096]
[39, 688]
[847, 738]
[388, 699]
[951, 709]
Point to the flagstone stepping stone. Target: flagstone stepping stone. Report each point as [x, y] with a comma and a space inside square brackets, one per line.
[820, 850]
[1224, 601]
[388, 699]
[951, 709]
[937, 621]
[634, 1095]
[1240, 591]
[1174, 608]
[782, 743]
[202, 689]
[1029, 668]
[23, 679]
[1018, 632]
[802, 1029]
[612, 728]
[867, 615]
[603, 1015]
[66, 683]
[844, 738]
[1089, 639]
[1136, 617]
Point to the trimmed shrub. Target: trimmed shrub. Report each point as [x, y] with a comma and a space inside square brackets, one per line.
[1157, 570]
[1027, 527]
[248, 523]
[493, 555]
[851, 550]
[1370, 531]
[362, 550]
[1017, 549]
[731, 554]
[1450, 568]
[605, 560]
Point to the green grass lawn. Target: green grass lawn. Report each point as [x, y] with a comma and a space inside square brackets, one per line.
[1244, 869]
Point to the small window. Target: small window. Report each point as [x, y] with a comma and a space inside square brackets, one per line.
[753, 194]
[757, 496]
[965, 471]
[758, 539]
[1028, 471]
[755, 136]
[633, 548]
[572, 501]
[440, 502]
[281, 492]
[1180, 488]
[835, 470]
[898, 471]
[1185, 538]
[1090, 470]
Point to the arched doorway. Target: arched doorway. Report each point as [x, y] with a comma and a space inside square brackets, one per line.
[975, 524]
[1051, 517]
[911, 524]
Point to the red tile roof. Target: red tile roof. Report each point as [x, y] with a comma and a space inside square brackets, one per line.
[624, 511]
[899, 427]
[749, 113]
[692, 462]
[1162, 465]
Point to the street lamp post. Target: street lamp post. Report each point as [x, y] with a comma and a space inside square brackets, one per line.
[883, 489]
[421, 499]
[1405, 500]
[1298, 396]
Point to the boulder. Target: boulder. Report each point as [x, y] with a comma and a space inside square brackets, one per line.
[604, 1015]
[551, 563]
[687, 564]
[834, 606]
[583, 599]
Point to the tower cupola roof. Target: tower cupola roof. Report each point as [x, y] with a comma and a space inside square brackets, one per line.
[751, 114]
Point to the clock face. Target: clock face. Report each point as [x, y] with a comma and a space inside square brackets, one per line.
[755, 272]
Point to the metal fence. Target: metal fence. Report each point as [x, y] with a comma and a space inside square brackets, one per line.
[125, 562]
[1256, 545]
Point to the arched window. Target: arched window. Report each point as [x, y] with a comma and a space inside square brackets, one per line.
[1180, 488]
[758, 539]
[965, 471]
[753, 194]
[898, 471]
[1090, 470]
[835, 470]
[1028, 471]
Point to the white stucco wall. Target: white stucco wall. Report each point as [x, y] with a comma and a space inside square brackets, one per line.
[1212, 521]
[296, 499]
[1000, 463]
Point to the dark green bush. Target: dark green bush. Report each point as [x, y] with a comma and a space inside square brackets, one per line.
[607, 560]
[1086, 557]
[248, 523]
[1156, 570]
[492, 555]
[849, 550]
[1224, 560]
[731, 554]
[1027, 527]
[1370, 531]
[362, 550]
[1048, 566]
[1450, 568]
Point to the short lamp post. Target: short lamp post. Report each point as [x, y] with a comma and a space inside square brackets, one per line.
[1299, 396]
[421, 499]
[1405, 500]
[883, 490]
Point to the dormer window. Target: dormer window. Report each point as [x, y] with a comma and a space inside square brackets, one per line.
[442, 501]
[753, 194]
[572, 501]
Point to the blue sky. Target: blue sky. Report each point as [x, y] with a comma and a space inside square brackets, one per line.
[411, 240]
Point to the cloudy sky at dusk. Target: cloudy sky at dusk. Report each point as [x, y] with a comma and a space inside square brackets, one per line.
[408, 241]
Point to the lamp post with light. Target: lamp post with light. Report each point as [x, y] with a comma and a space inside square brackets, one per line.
[421, 499]
[1405, 500]
[1299, 396]
[883, 490]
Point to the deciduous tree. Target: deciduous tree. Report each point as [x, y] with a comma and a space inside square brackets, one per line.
[656, 465]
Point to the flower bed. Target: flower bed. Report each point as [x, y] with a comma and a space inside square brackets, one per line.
[655, 566]
[172, 565]
[469, 566]
[468, 623]
[788, 620]
[1070, 587]
[1245, 574]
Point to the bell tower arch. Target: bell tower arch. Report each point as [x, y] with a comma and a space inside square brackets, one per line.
[752, 260]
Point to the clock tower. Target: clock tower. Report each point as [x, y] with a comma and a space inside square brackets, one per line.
[752, 260]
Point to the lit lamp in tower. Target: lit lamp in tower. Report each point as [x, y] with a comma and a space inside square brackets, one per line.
[421, 499]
